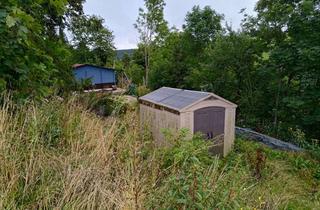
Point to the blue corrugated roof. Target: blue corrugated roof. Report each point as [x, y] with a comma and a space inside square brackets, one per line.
[77, 66]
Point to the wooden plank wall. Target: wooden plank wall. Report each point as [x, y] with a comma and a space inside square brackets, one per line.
[186, 122]
[157, 121]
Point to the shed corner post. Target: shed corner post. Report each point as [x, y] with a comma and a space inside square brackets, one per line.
[229, 130]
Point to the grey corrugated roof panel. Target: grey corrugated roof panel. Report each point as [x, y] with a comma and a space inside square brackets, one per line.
[160, 94]
[174, 98]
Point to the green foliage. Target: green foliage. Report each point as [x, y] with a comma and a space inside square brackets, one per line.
[292, 66]
[150, 23]
[93, 42]
[104, 104]
[34, 55]
[152, 29]
[136, 73]
[169, 65]
[229, 70]
[191, 179]
[82, 85]
[142, 90]
[187, 183]
[181, 52]
[2, 85]
[269, 68]
[25, 66]
[133, 66]
[203, 25]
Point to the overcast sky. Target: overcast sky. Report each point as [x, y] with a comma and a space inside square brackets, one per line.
[120, 15]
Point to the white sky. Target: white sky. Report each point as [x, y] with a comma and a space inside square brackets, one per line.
[120, 15]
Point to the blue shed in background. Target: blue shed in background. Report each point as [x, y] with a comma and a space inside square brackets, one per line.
[100, 77]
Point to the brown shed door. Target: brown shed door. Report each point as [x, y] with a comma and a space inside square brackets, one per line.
[210, 122]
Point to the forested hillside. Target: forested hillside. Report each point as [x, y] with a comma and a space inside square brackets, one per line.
[269, 67]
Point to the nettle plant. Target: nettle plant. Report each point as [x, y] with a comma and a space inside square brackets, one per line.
[188, 171]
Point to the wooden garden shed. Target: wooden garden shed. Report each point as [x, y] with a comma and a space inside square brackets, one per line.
[203, 112]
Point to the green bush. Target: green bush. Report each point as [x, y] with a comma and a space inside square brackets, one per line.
[142, 90]
[186, 184]
[104, 104]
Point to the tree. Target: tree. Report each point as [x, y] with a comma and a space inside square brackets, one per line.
[229, 69]
[54, 15]
[31, 63]
[201, 29]
[152, 28]
[132, 66]
[202, 26]
[169, 66]
[290, 31]
[181, 52]
[93, 42]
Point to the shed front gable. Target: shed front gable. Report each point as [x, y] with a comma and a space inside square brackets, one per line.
[212, 100]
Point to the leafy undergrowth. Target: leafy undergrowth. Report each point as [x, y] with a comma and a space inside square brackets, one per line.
[60, 155]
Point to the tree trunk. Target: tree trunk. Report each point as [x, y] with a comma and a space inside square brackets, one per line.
[275, 120]
[146, 60]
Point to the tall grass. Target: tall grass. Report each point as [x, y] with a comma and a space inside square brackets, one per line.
[59, 155]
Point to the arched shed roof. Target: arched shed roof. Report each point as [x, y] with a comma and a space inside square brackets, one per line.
[179, 99]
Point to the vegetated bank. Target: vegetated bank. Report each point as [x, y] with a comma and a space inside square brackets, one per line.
[61, 154]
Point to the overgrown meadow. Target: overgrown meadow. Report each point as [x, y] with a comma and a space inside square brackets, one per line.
[59, 154]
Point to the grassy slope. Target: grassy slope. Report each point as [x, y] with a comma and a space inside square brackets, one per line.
[288, 179]
[57, 154]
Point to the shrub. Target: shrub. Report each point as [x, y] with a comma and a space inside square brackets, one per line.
[142, 90]
[104, 104]
[186, 184]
